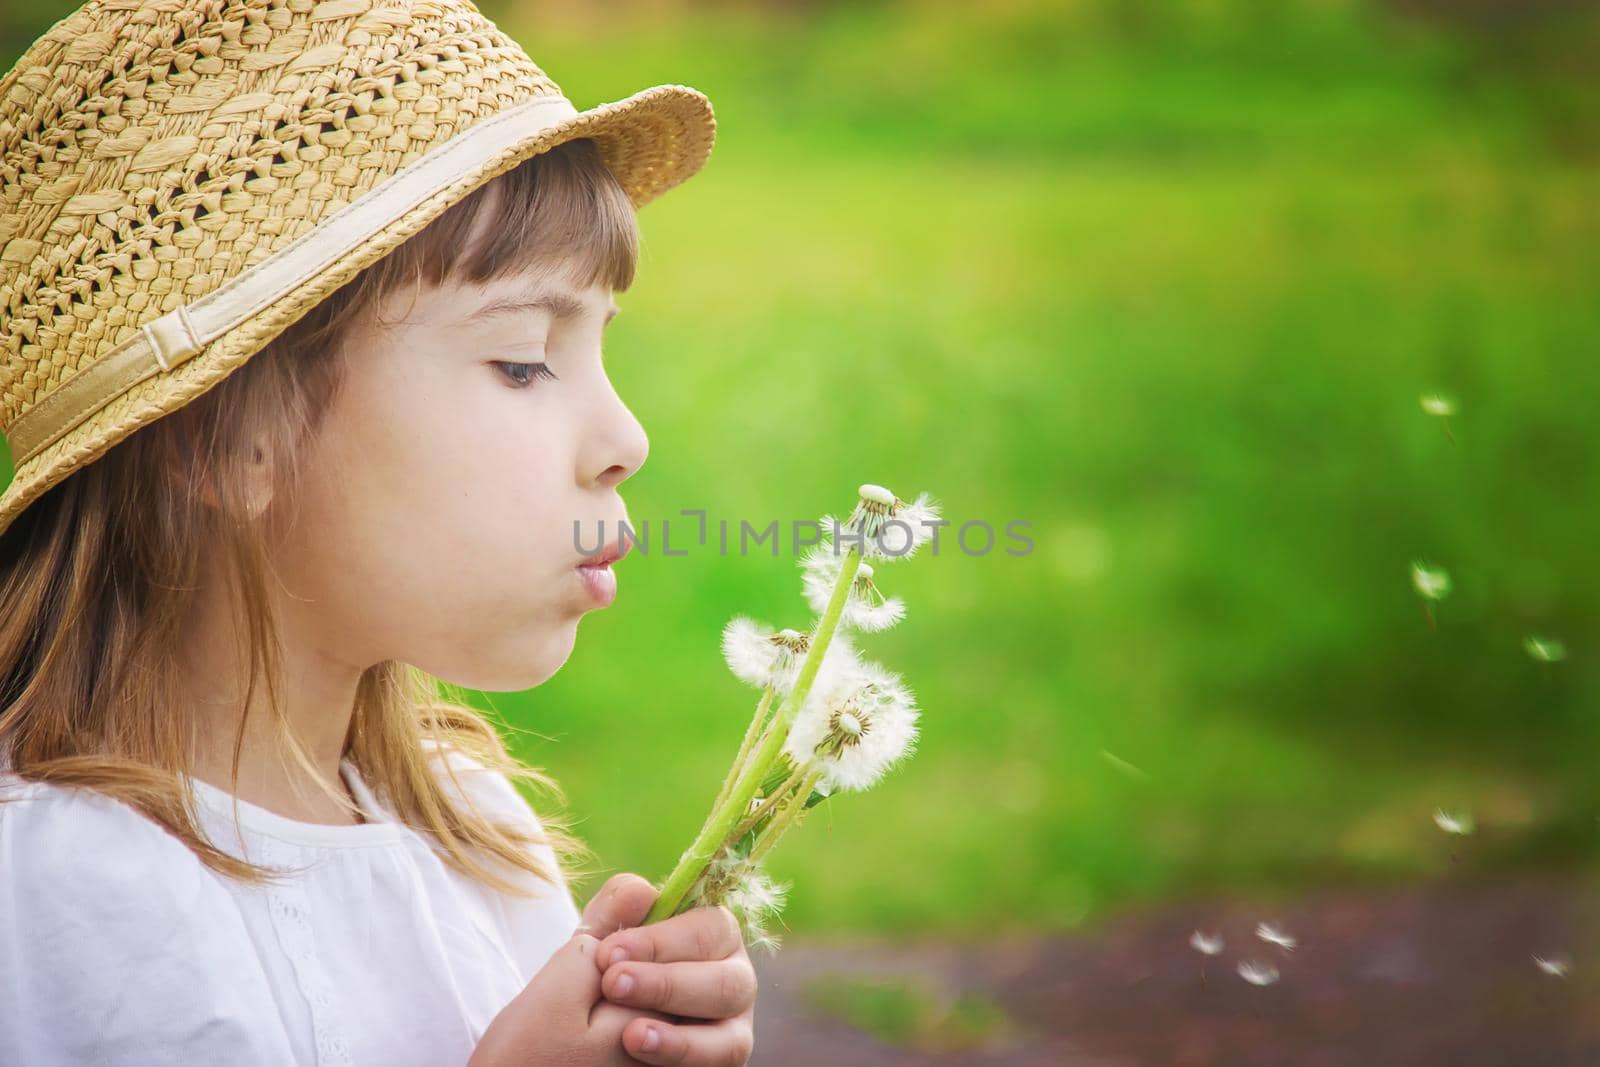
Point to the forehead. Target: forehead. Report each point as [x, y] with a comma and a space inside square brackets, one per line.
[532, 293]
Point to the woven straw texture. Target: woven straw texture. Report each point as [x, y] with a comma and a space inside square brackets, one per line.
[153, 150]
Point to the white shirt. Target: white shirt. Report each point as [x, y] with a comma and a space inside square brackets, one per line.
[118, 946]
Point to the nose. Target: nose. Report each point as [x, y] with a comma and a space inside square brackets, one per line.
[618, 446]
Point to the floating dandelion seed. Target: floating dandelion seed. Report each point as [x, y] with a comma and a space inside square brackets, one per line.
[1206, 945]
[1124, 766]
[1555, 967]
[1431, 583]
[1453, 822]
[1257, 974]
[1438, 405]
[1544, 649]
[1274, 936]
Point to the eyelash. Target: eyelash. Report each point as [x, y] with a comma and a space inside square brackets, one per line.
[538, 370]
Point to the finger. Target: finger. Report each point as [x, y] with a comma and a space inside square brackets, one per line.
[722, 1044]
[608, 1020]
[699, 990]
[623, 901]
[706, 933]
[569, 980]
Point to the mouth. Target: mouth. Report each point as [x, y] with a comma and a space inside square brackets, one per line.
[608, 554]
[595, 572]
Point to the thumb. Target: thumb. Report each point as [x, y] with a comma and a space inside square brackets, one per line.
[622, 902]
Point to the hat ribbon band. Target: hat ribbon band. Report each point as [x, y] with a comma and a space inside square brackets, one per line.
[168, 341]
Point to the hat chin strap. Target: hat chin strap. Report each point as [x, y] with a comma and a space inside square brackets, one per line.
[168, 341]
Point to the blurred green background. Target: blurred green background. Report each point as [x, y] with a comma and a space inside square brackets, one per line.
[1166, 281]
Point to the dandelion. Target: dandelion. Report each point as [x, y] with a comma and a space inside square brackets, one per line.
[1544, 649]
[1555, 967]
[866, 608]
[827, 722]
[882, 526]
[1274, 936]
[855, 729]
[761, 657]
[1256, 973]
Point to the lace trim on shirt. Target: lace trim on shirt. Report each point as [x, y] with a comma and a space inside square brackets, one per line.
[291, 918]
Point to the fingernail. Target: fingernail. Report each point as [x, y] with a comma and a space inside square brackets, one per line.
[652, 1039]
[624, 986]
[618, 954]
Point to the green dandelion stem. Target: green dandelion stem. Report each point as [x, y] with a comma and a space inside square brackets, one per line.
[787, 816]
[772, 799]
[757, 723]
[721, 821]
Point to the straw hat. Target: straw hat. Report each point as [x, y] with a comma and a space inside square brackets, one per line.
[180, 180]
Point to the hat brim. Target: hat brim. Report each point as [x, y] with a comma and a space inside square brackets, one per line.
[651, 141]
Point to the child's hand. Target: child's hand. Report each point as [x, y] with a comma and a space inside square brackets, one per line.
[693, 966]
[564, 1017]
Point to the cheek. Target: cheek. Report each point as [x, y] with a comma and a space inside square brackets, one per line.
[445, 510]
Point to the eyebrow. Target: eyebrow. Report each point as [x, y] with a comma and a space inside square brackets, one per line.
[561, 303]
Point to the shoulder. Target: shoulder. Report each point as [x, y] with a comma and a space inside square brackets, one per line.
[67, 841]
[112, 918]
[464, 777]
[533, 926]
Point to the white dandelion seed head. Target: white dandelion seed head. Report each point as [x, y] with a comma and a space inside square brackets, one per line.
[760, 657]
[865, 607]
[850, 724]
[877, 701]
[1431, 583]
[1206, 944]
[1544, 649]
[1453, 822]
[882, 526]
[869, 614]
[820, 567]
[1555, 967]
[1437, 404]
[908, 529]
[748, 650]
[757, 894]
[1257, 973]
[1275, 936]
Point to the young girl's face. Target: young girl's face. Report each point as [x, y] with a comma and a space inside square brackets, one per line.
[442, 494]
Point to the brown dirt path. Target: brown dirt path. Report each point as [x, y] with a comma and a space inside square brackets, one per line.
[1410, 977]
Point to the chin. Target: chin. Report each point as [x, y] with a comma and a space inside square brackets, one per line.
[542, 658]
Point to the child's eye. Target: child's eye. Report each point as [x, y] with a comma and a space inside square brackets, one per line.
[524, 373]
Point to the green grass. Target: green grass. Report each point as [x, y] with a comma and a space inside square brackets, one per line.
[1172, 301]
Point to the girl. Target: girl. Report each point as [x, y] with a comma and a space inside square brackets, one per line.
[300, 371]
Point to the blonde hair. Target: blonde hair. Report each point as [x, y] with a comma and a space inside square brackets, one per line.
[98, 577]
